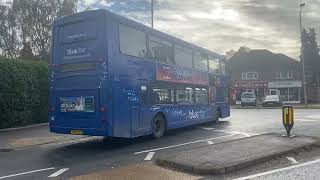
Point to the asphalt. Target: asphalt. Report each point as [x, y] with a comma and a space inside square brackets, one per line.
[233, 155]
[308, 171]
[86, 156]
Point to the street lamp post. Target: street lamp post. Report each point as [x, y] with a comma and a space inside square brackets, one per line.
[304, 84]
[152, 13]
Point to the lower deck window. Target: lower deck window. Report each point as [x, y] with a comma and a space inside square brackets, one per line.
[179, 95]
[184, 95]
[163, 96]
[201, 95]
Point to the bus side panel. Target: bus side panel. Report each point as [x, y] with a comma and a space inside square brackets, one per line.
[225, 110]
[121, 119]
[185, 115]
[221, 96]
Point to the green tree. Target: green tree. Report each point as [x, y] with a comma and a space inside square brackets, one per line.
[311, 55]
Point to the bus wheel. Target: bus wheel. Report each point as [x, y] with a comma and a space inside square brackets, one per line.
[217, 116]
[158, 126]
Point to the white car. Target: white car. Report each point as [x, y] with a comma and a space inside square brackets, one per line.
[272, 100]
[248, 98]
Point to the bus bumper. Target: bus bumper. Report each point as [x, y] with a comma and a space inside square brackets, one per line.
[79, 131]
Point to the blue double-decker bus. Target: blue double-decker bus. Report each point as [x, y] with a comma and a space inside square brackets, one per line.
[112, 76]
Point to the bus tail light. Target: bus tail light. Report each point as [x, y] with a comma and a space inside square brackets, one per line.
[52, 109]
[103, 117]
[103, 109]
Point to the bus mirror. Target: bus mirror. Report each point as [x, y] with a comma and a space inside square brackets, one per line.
[143, 89]
[143, 93]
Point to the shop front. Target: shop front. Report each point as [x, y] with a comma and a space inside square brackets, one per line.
[260, 88]
[289, 91]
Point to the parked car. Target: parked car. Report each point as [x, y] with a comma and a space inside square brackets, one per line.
[271, 100]
[248, 98]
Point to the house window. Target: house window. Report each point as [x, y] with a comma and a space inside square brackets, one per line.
[284, 75]
[249, 75]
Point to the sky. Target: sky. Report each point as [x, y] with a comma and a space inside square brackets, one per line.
[222, 25]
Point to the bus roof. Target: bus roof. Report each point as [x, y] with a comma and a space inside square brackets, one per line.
[124, 20]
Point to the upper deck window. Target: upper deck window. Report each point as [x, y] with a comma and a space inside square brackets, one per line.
[161, 50]
[132, 42]
[200, 61]
[223, 67]
[183, 56]
[214, 66]
[77, 31]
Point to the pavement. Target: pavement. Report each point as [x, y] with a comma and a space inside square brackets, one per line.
[143, 171]
[15, 138]
[233, 155]
[80, 157]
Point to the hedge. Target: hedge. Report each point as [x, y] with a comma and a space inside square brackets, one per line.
[24, 89]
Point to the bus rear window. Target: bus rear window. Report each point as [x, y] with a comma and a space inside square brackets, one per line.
[80, 66]
[77, 31]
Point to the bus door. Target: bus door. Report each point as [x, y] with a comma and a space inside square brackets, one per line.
[141, 113]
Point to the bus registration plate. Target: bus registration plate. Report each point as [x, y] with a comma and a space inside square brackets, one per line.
[76, 132]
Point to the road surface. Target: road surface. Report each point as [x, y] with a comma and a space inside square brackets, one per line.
[82, 156]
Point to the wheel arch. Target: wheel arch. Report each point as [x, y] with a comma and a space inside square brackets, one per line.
[160, 113]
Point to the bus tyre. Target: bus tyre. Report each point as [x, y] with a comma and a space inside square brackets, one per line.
[158, 126]
[217, 116]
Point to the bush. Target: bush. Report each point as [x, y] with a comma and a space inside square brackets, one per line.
[23, 92]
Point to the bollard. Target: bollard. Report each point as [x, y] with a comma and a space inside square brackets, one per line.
[287, 118]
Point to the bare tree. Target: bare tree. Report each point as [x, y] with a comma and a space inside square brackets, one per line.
[35, 18]
[9, 42]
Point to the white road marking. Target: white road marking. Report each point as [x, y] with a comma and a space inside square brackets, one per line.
[278, 170]
[207, 128]
[28, 172]
[59, 172]
[292, 160]
[149, 156]
[210, 142]
[230, 132]
[183, 144]
[314, 116]
[306, 120]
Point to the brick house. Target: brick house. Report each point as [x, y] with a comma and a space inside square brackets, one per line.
[265, 73]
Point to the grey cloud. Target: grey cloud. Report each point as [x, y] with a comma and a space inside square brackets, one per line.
[222, 25]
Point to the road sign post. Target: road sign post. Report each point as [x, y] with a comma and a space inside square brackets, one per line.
[287, 118]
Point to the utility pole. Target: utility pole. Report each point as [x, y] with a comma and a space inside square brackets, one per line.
[304, 84]
[151, 13]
